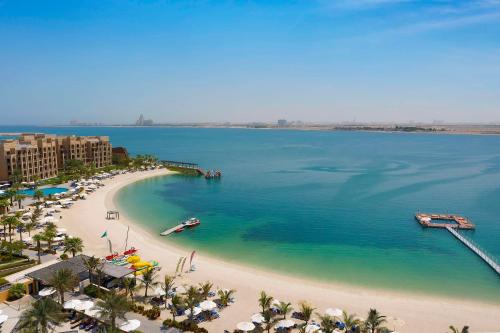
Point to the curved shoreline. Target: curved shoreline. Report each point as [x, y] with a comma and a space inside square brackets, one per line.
[420, 312]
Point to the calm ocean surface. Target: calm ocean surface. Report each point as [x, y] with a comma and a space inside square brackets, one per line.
[332, 206]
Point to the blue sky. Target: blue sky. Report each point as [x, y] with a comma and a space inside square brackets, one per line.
[181, 61]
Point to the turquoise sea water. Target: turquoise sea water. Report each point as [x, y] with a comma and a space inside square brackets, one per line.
[332, 206]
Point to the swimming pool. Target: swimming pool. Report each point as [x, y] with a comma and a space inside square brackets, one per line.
[46, 191]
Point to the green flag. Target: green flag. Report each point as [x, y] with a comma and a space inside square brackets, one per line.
[105, 234]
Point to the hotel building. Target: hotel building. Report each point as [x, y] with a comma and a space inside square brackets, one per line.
[40, 156]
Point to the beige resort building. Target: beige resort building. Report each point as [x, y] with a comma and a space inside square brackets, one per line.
[42, 156]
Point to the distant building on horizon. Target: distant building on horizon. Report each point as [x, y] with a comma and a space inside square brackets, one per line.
[143, 122]
[282, 123]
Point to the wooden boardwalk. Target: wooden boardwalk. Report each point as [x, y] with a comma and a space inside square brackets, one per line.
[448, 220]
[490, 261]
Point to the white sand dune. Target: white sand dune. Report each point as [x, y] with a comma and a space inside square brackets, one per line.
[421, 313]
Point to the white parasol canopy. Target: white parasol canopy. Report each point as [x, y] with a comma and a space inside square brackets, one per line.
[130, 325]
[285, 323]
[46, 291]
[245, 326]
[85, 305]
[196, 311]
[58, 239]
[92, 312]
[180, 289]
[207, 305]
[313, 328]
[3, 318]
[71, 304]
[334, 312]
[159, 291]
[257, 318]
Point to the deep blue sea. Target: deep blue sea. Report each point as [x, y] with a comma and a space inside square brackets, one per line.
[331, 206]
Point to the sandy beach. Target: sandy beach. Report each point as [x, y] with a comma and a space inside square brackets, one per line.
[421, 313]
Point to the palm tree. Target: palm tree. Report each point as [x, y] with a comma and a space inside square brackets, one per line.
[11, 221]
[91, 264]
[225, 296]
[43, 316]
[9, 194]
[48, 235]
[327, 322]
[269, 320]
[307, 310]
[130, 286]
[63, 280]
[374, 321]
[19, 198]
[285, 308]
[167, 285]
[350, 321]
[38, 238]
[4, 205]
[464, 329]
[5, 223]
[177, 303]
[193, 297]
[20, 226]
[148, 280]
[206, 287]
[265, 301]
[112, 307]
[99, 270]
[73, 245]
[38, 195]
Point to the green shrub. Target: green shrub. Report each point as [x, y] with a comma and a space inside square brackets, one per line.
[16, 291]
[92, 290]
[64, 256]
[185, 326]
[3, 282]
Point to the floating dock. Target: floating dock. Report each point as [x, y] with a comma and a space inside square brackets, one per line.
[474, 248]
[171, 230]
[445, 221]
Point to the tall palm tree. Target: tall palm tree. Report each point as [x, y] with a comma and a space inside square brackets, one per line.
[38, 239]
[205, 288]
[11, 221]
[265, 301]
[130, 286]
[167, 285]
[307, 310]
[148, 280]
[73, 245]
[177, 303]
[113, 306]
[4, 205]
[99, 271]
[19, 198]
[193, 297]
[10, 194]
[285, 308]
[350, 320]
[63, 280]
[225, 296]
[38, 195]
[43, 316]
[464, 329]
[327, 322]
[91, 264]
[20, 227]
[48, 235]
[4, 222]
[374, 321]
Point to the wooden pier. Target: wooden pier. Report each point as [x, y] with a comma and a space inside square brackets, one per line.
[194, 167]
[474, 248]
[451, 221]
[171, 230]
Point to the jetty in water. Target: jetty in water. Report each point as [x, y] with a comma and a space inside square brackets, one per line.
[444, 221]
[453, 223]
[195, 168]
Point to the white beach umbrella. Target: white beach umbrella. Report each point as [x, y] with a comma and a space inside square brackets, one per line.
[180, 289]
[71, 304]
[46, 291]
[196, 311]
[61, 230]
[85, 305]
[130, 325]
[334, 312]
[94, 312]
[207, 305]
[285, 323]
[275, 303]
[159, 291]
[245, 326]
[257, 318]
[3, 318]
[313, 328]
[58, 239]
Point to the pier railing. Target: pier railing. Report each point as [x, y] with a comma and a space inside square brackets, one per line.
[483, 254]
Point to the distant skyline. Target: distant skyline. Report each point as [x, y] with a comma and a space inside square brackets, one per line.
[249, 61]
